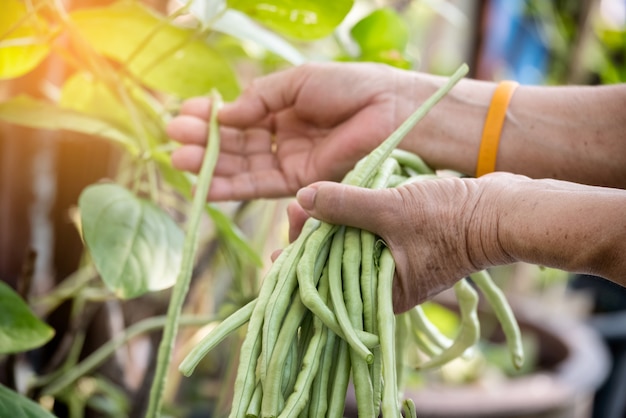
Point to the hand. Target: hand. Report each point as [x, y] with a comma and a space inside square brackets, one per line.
[291, 128]
[439, 231]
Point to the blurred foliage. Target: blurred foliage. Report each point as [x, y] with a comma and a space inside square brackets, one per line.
[587, 44]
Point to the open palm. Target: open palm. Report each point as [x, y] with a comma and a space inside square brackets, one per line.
[291, 128]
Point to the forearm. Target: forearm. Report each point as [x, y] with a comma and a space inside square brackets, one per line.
[569, 133]
[558, 224]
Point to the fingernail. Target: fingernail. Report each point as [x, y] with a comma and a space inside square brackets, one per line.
[306, 197]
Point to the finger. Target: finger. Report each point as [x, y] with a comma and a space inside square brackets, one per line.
[275, 255]
[264, 184]
[199, 107]
[297, 217]
[187, 129]
[228, 183]
[264, 96]
[188, 158]
[341, 204]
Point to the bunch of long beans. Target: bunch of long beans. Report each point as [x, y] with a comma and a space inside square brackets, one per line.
[324, 314]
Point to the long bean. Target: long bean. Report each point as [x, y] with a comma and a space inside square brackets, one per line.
[297, 400]
[504, 313]
[469, 332]
[279, 301]
[183, 280]
[340, 380]
[421, 322]
[318, 404]
[369, 284]
[254, 408]
[272, 393]
[251, 346]
[217, 335]
[324, 313]
[350, 268]
[310, 296]
[387, 329]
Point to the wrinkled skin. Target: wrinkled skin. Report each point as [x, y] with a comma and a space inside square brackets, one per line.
[439, 231]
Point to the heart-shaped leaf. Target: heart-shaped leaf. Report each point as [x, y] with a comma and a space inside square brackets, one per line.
[382, 36]
[301, 19]
[240, 26]
[14, 405]
[136, 247]
[20, 329]
[381, 30]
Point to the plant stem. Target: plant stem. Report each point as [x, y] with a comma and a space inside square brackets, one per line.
[71, 374]
[184, 277]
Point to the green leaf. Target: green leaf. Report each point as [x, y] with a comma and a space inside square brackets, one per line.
[300, 19]
[20, 329]
[135, 246]
[164, 57]
[240, 26]
[179, 180]
[382, 36]
[381, 30]
[233, 237]
[22, 40]
[32, 113]
[89, 95]
[14, 405]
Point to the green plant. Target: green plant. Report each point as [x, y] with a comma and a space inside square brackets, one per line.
[127, 66]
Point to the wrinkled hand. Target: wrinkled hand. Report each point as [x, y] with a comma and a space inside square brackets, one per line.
[295, 127]
[439, 231]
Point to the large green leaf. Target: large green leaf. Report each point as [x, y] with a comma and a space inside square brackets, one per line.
[232, 237]
[133, 116]
[22, 40]
[14, 405]
[20, 329]
[240, 26]
[135, 246]
[165, 57]
[26, 111]
[86, 94]
[300, 19]
[382, 36]
[382, 29]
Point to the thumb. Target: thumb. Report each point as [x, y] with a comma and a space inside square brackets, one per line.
[342, 204]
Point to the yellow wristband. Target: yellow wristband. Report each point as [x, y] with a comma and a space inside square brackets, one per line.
[496, 114]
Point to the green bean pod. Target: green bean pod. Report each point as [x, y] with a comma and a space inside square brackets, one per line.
[469, 332]
[504, 313]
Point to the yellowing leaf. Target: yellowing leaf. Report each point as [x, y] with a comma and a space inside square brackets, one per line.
[163, 56]
[90, 96]
[22, 40]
